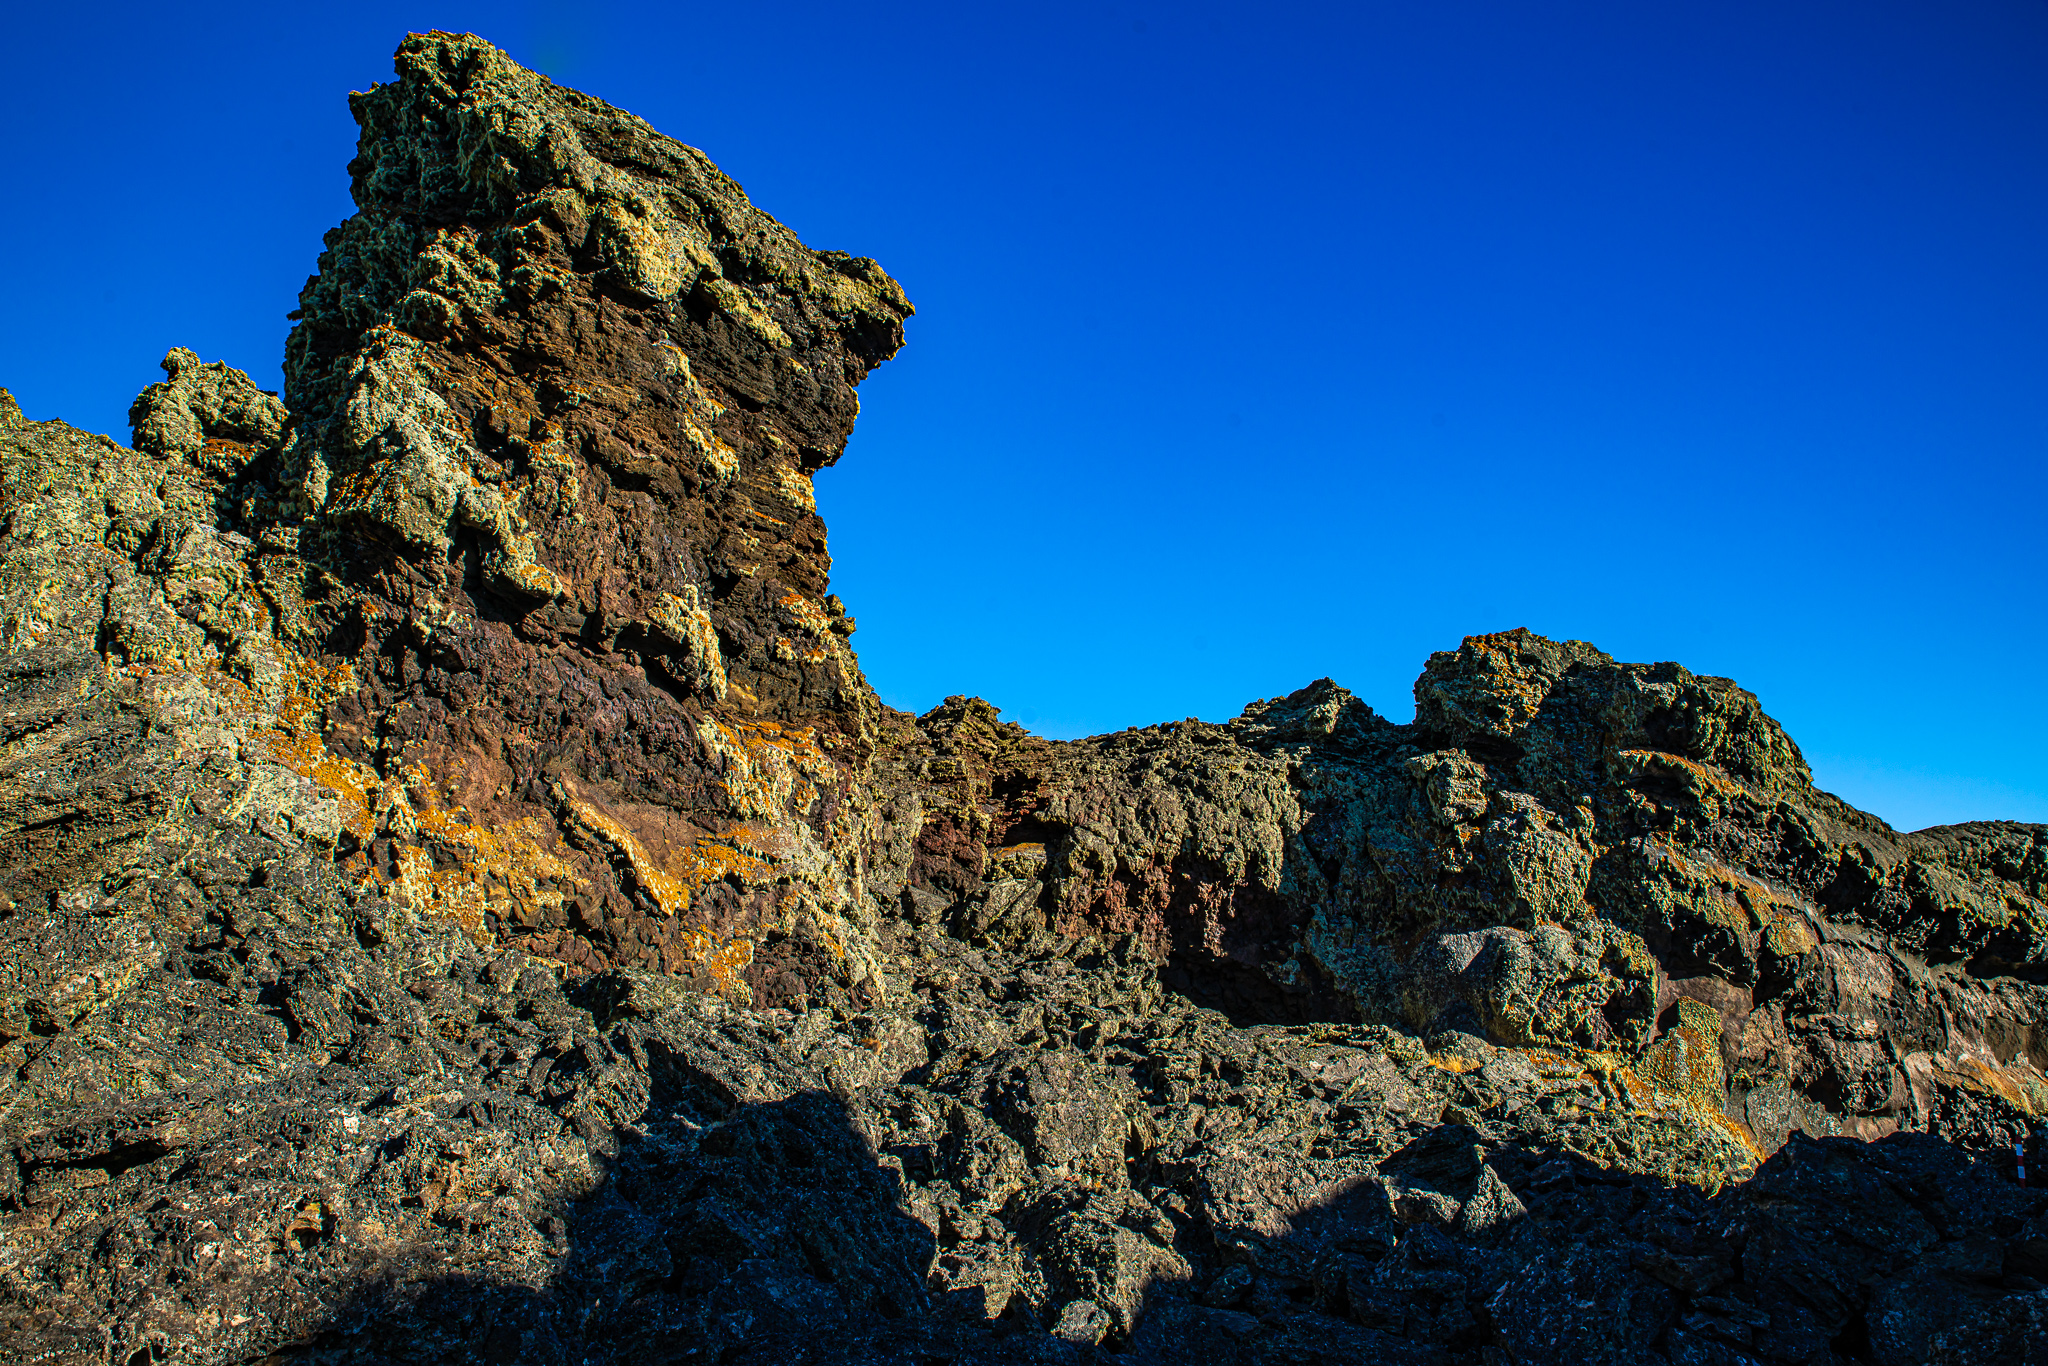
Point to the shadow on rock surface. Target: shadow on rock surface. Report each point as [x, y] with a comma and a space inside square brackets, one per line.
[392, 1146]
[724, 1232]
[1908, 1250]
[774, 1232]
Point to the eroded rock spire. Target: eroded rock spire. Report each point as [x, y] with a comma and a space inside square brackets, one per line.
[558, 393]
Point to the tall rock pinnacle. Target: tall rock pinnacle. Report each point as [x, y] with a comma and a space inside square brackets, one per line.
[560, 390]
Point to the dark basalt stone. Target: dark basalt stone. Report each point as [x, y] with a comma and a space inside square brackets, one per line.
[463, 902]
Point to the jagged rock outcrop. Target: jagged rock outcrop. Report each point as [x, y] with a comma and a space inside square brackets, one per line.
[558, 392]
[463, 903]
[1559, 851]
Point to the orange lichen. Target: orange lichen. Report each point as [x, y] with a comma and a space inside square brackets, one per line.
[1548, 1064]
[1973, 1074]
[489, 868]
[668, 892]
[674, 888]
[1695, 775]
[1687, 1062]
[218, 452]
[1683, 1071]
[1453, 1063]
[1518, 691]
[804, 614]
[735, 855]
[308, 756]
[495, 867]
[352, 486]
[768, 771]
[484, 872]
[723, 961]
[294, 740]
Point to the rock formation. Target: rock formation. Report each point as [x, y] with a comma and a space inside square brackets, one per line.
[462, 901]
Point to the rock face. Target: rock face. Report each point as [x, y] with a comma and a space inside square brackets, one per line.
[558, 394]
[462, 901]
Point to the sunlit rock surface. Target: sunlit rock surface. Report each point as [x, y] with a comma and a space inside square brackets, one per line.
[464, 903]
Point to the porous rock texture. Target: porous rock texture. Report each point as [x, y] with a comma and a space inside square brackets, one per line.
[463, 903]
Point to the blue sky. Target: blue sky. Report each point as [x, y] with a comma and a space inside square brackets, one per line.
[1258, 344]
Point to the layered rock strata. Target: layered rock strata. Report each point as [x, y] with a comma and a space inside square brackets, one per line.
[464, 903]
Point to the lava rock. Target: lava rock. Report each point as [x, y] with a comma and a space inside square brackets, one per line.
[460, 900]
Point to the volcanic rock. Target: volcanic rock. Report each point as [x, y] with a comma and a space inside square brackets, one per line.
[461, 900]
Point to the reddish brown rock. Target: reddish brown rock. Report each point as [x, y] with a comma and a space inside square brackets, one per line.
[558, 391]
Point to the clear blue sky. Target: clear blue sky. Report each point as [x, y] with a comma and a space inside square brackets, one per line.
[1260, 343]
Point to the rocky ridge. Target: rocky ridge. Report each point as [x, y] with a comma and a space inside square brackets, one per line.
[463, 901]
